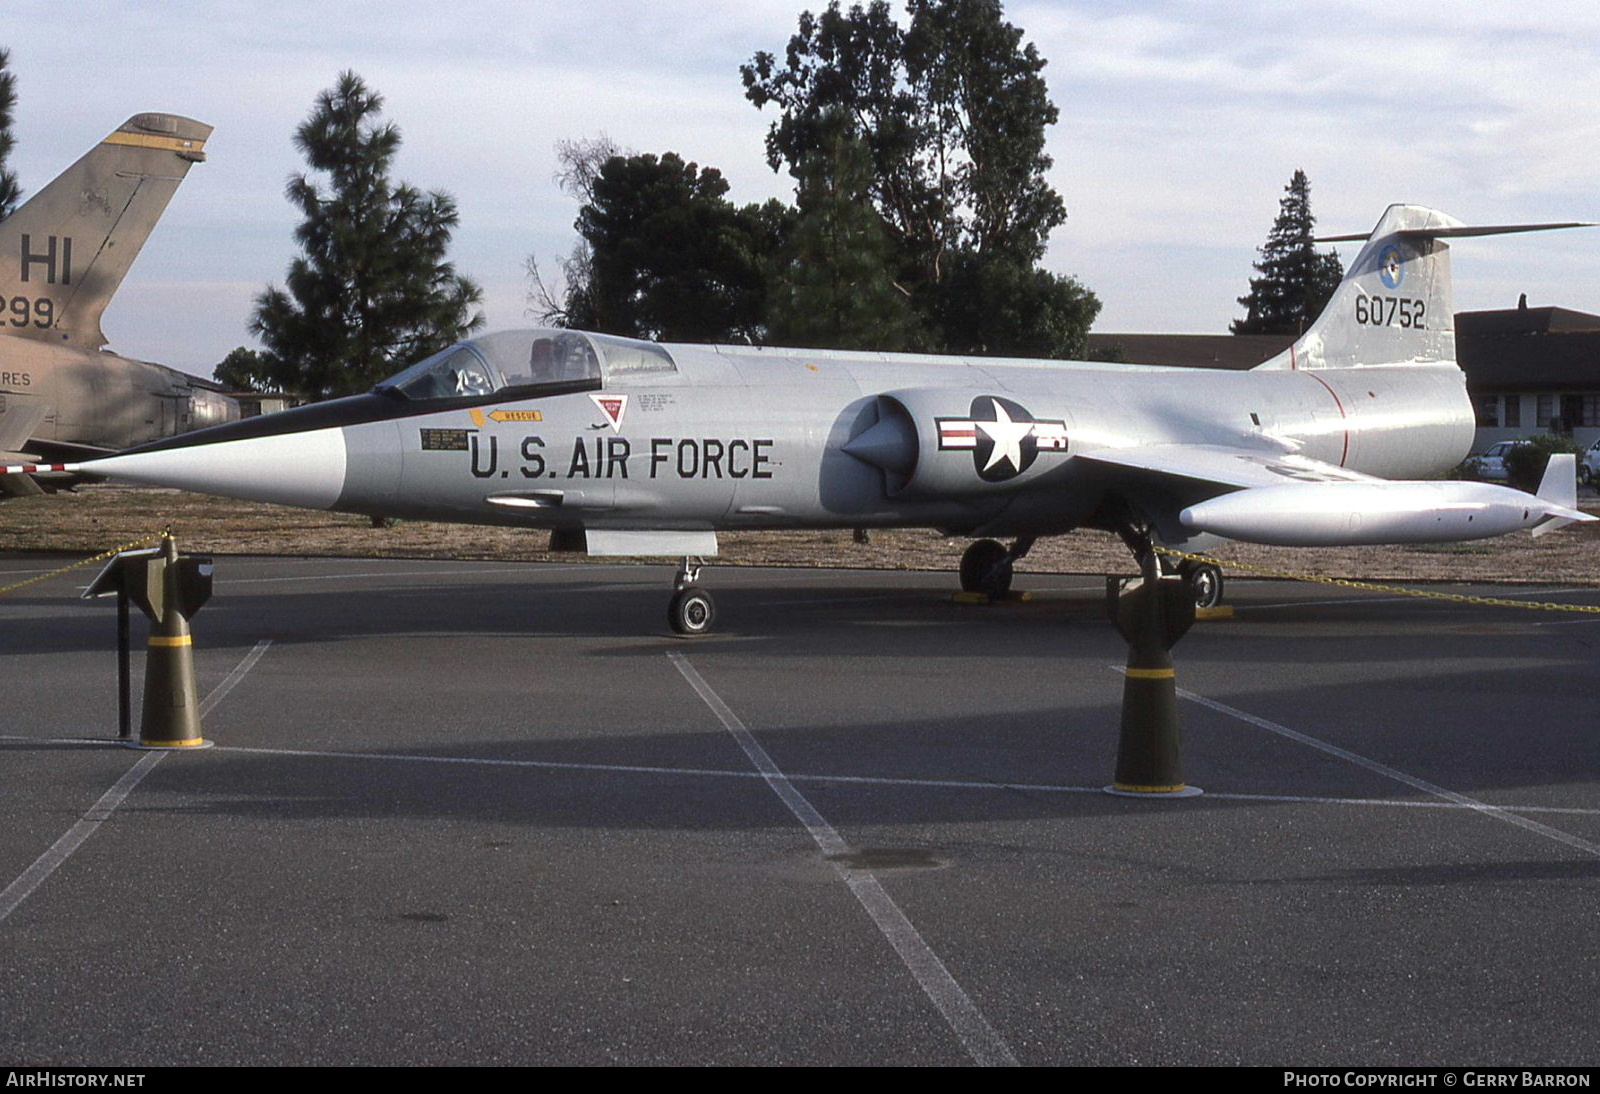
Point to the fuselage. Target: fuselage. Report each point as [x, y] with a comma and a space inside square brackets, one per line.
[725, 438]
[100, 400]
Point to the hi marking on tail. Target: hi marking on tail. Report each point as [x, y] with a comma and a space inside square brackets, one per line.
[66, 250]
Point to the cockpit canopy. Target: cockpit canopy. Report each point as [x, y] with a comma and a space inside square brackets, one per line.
[526, 363]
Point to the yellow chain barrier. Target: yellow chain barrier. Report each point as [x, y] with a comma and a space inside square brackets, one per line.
[1374, 587]
[1170, 552]
[83, 562]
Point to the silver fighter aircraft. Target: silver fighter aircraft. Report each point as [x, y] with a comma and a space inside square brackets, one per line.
[622, 447]
[62, 256]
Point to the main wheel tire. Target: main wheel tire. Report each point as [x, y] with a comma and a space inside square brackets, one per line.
[985, 569]
[1206, 581]
[691, 612]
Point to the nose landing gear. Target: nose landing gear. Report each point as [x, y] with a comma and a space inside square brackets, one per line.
[691, 610]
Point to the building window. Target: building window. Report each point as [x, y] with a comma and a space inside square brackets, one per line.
[1512, 419]
[1488, 411]
[1590, 414]
[1546, 411]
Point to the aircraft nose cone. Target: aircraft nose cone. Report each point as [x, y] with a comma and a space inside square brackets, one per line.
[305, 469]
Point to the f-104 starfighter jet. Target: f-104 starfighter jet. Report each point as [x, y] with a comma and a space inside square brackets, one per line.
[624, 447]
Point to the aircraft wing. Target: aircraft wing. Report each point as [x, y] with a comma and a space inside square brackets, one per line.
[1291, 500]
[20, 415]
[1222, 466]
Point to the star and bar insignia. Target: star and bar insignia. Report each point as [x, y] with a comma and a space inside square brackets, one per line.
[1002, 436]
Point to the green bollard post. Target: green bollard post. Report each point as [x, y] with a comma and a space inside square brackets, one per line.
[171, 717]
[169, 588]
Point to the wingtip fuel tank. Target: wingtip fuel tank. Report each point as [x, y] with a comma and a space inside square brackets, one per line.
[1329, 514]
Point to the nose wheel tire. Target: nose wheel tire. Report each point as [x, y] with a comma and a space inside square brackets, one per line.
[691, 612]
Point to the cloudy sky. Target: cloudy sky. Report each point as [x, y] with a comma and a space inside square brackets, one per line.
[1180, 124]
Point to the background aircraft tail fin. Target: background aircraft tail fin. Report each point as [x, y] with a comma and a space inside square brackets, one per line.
[1394, 305]
[65, 251]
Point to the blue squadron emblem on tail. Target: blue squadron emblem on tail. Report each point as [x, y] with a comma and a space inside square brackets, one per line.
[1390, 269]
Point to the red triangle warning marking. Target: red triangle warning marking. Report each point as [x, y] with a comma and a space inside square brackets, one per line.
[613, 407]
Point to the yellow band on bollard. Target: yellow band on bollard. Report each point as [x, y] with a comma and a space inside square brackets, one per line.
[1150, 674]
[175, 640]
[1128, 788]
[192, 742]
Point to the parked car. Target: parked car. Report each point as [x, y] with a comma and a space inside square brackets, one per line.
[1589, 465]
[1490, 464]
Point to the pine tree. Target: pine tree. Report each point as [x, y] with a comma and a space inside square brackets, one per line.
[9, 190]
[373, 291]
[830, 286]
[1296, 280]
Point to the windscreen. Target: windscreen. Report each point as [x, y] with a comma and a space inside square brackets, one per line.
[527, 360]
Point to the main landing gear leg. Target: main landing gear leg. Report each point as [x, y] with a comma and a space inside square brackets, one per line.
[692, 610]
[1152, 613]
[987, 566]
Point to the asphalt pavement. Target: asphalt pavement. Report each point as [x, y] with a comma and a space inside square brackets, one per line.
[463, 812]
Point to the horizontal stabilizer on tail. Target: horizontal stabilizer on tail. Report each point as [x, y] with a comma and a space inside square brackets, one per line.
[1462, 231]
[1394, 306]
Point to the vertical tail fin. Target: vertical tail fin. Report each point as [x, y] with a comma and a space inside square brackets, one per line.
[1394, 305]
[65, 251]
[1559, 487]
